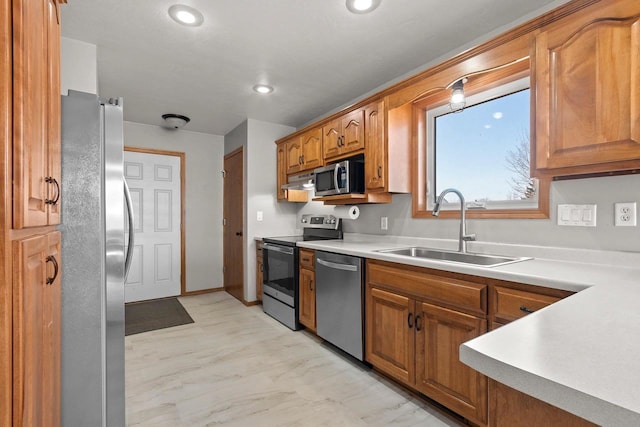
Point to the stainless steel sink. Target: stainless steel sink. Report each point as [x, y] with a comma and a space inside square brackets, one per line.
[464, 258]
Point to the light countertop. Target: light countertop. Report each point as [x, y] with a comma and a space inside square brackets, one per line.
[581, 354]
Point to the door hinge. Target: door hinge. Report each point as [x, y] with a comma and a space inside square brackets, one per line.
[224, 173]
[224, 222]
[224, 270]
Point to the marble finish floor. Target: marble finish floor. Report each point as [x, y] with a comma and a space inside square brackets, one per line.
[236, 366]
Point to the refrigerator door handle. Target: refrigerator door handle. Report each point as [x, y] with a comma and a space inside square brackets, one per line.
[130, 245]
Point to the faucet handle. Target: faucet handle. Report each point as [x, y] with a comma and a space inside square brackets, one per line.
[469, 237]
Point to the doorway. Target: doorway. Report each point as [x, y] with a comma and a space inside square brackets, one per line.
[156, 183]
[233, 222]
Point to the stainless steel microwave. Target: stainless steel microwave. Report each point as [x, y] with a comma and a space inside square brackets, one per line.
[344, 177]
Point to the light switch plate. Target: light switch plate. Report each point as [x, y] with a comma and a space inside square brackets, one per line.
[259, 216]
[577, 215]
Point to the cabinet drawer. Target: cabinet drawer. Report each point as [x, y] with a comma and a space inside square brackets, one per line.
[512, 304]
[306, 259]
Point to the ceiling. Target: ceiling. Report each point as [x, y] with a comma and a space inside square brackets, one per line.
[315, 53]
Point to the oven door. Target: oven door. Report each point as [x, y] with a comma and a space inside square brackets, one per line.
[280, 276]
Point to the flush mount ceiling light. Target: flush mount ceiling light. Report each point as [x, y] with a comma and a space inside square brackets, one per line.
[186, 15]
[264, 89]
[362, 6]
[175, 121]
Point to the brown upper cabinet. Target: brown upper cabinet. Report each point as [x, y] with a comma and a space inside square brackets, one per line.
[388, 148]
[343, 135]
[304, 153]
[587, 108]
[36, 113]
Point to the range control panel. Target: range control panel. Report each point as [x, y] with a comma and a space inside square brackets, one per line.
[320, 221]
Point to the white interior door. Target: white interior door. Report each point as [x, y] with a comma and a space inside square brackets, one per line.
[154, 182]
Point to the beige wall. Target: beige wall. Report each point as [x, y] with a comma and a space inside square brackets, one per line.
[203, 211]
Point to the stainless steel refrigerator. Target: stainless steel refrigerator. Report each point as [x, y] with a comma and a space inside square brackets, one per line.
[93, 245]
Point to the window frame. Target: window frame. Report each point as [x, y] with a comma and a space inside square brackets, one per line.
[485, 82]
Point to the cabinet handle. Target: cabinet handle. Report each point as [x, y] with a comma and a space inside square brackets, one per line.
[311, 283]
[418, 328]
[340, 141]
[526, 310]
[52, 259]
[302, 157]
[410, 320]
[52, 180]
[379, 171]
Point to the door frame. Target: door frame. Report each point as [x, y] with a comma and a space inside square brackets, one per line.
[180, 154]
[237, 151]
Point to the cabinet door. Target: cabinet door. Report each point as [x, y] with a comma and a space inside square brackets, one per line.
[30, 95]
[259, 273]
[53, 113]
[439, 372]
[52, 330]
[307, 297]
[332, 138]
[375, 164]
[390, 337]
[588, 94]
[294, 156]
[29, 381]
[312, 149]
[352, 132]
[281, 159]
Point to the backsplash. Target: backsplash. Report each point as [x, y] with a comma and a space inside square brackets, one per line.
[603, 191]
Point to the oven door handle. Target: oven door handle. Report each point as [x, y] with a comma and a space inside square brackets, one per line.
[276, 248]
[337, 266]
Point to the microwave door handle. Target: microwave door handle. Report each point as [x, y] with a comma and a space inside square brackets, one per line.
[336, 170]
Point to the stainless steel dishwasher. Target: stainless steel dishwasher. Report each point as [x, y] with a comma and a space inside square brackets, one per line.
[339, 301]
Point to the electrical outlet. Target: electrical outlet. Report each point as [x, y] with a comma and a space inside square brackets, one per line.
[384, 223]
[625, 214]
[259, 216]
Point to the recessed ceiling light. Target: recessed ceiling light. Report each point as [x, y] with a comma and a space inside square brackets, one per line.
[186, 15]
[362, 6]
[263, 89]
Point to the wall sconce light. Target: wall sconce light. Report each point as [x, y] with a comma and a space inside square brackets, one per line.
[457, 101]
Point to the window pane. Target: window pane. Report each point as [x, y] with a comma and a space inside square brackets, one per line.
[483, 150]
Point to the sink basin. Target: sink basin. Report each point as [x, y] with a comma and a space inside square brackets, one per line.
[464, 258]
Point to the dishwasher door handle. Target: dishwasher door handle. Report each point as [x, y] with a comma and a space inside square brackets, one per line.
[337, 266]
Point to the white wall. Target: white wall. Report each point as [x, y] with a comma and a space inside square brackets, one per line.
[78, 66]
[279, 219]
[203, 198]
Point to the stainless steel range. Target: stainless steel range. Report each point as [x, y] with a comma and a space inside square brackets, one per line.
[280, 286]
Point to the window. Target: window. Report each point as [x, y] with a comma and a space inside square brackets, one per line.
[483, 151]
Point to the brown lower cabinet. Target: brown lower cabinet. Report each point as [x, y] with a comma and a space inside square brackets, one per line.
[511, 408]
[259, 270]
[416, 321]
[307, 290]
[36, 331]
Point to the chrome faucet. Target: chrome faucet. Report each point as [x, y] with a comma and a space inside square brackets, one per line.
[464, 237]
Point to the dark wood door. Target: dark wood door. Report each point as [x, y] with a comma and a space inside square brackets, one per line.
[233, 240]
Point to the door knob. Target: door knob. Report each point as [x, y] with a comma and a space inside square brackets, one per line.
[238, 233]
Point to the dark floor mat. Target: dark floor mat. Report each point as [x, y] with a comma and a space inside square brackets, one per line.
[151, 315]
